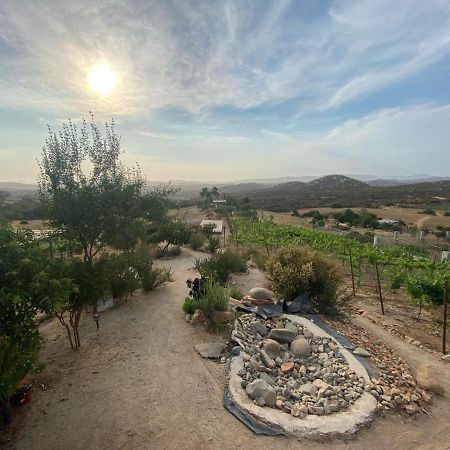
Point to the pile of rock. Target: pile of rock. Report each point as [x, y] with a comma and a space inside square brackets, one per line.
[393, 385]
[288, 368]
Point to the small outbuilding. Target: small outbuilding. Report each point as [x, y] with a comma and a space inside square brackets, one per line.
[218, 225]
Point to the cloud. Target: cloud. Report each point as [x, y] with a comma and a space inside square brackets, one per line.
[156, 135]
[198, 56]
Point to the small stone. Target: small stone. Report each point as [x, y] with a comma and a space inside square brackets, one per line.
[210, 349]
[287, 366]
[300, 347]
[267, 378]
[260, 388]
[258, 327]
[360, 351]
[412, 408]
[309, 389]
[307, 334]
[272, 348]
[427, 379]
[260, 401]
[198, 317]
[282, 335]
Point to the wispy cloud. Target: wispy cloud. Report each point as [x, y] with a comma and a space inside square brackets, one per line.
[200, 55]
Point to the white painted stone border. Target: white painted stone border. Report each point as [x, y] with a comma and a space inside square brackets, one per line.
[333, 425]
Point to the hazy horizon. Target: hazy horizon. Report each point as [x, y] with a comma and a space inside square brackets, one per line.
[230, 91]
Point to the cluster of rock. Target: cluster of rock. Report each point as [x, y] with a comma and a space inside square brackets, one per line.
[393, 385]
[288, 368]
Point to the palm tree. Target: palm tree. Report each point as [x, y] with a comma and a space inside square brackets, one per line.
[214, 192]
[206, 194]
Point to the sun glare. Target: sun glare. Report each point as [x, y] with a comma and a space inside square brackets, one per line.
[102, 79]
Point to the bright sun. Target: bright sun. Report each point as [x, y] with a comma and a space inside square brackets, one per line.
[102, 79]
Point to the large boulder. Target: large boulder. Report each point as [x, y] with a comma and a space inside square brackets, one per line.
[282, 335]
[300, 347]
[262, 389]
[272, 348]
[261, 293]
[428, 379]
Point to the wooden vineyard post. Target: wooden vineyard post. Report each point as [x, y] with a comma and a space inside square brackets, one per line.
[379, 289]
[351, 270]
[444, 327]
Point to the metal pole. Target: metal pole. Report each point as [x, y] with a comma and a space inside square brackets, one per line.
[379, 289]
[444, 328]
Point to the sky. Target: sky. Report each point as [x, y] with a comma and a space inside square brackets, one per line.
[228, 90]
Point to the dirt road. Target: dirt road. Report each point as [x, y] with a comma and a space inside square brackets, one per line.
[139, 384]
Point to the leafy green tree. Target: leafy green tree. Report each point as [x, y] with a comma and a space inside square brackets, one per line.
[172, 232]
[30, 284]
[88, 194]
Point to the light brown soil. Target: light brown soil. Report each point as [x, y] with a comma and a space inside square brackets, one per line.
[139, 384]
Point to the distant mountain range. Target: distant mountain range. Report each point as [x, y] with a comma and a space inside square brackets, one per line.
[340, 190]
[286, 193]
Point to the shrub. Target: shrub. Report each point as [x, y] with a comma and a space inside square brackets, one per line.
[297, 270]
[23, 222]
[213, 244]
[257, 255]
[215, 299]
[190, 305]
[447, 213]
[235, 292]
[155, 277]
[196, 241]
[428, 211]
[220, 266]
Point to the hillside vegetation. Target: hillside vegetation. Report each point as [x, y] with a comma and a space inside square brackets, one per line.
[339, 190]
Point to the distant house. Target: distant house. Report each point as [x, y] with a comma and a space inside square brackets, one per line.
[388, 222]
[218, 225]
[218, 203]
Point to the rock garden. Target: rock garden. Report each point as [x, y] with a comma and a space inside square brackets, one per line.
[288, 368]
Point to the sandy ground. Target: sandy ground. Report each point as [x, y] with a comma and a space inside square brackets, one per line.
[139, 384]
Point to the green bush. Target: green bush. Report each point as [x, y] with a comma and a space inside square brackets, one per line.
[196, 241]
[155, 277]
[190, 305]
[297, 270]
[215, 299]
[235, 292]
[213, 244]
[219, 266]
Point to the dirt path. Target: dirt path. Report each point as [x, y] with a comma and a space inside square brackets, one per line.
[139, 384]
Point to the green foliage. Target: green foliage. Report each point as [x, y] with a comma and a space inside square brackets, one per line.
[155, 277]
[215, 299]
[93, 207]
[235, 292]
[190, 305]
[297, 270]
[430, 212]
[219, 266]
[196, 240]
[172, 232]
[213, 244]
[30, 284]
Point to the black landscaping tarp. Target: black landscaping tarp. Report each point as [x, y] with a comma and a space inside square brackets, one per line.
[256, 426]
